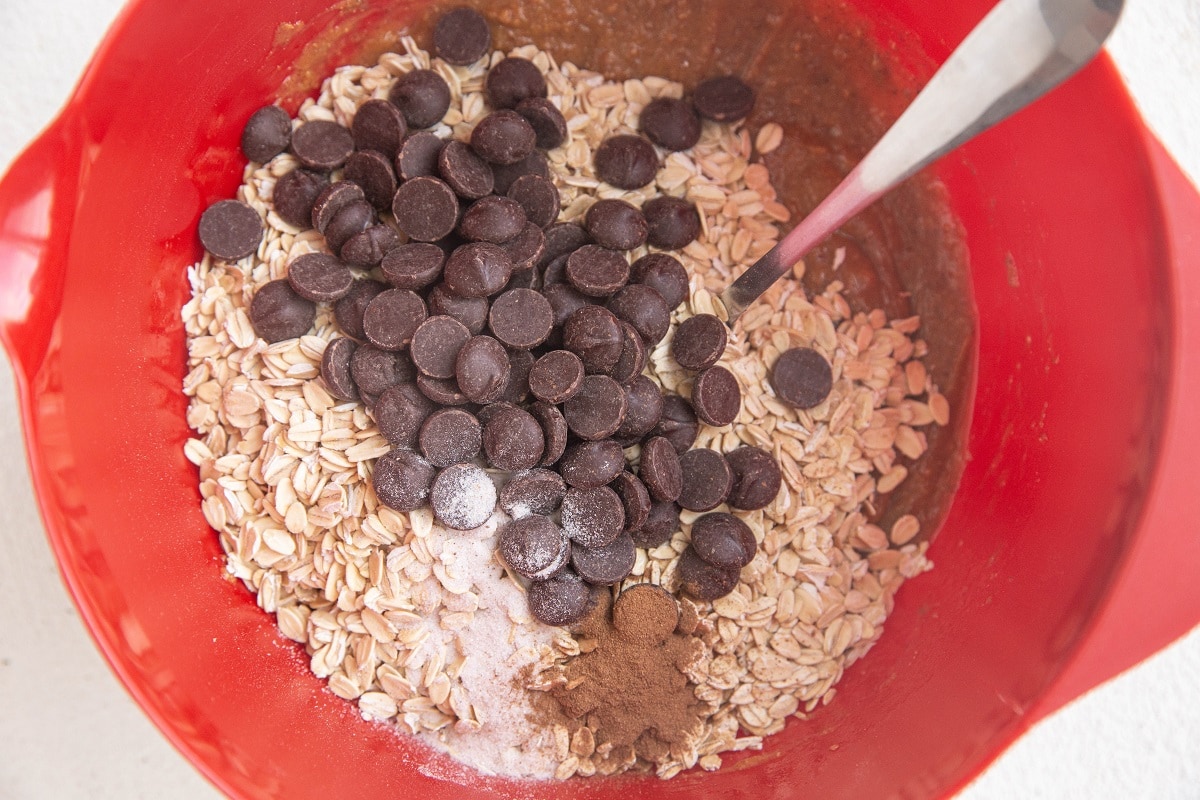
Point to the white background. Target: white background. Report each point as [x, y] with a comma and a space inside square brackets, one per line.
[68, 730]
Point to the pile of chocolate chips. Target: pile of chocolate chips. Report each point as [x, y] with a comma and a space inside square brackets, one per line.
[497, 332]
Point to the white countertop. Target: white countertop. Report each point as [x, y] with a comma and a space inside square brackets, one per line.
[68, 730]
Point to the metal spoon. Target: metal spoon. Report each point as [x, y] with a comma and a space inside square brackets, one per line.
[1021, 50]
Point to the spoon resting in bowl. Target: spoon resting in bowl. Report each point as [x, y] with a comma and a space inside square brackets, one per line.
[1018, 52]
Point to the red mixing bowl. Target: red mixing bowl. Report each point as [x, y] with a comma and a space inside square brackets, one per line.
[1068, 555]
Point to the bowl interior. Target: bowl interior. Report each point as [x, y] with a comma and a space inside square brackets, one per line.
[1071, 288]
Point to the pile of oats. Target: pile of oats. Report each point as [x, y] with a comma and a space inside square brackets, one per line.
[377, 599]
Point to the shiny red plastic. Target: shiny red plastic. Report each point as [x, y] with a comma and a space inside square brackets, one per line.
[1069, 553]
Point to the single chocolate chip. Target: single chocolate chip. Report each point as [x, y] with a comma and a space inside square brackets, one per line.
[402, 479]
[586, 465]
[592, 517]
[443, 391]
[413, 266]
[707, 479]
[332, 199]
[521, 318]
[597, 271]
[335, 368]
[294, 195]
[702, 580]
[461, 36]
[399, 413]
[562, 600]
[349, 310]
[467, 174]
[477, 269]
[661, 523]
[659, 469]
[547, 121]
[663, 273]
[556, 376]
[319, 277]
[672, 222]
[538, 198]
[376, 370]
[670, 123]
[678, 423]
[516, 390]
[470, 311]
[802, 378]
[626, 162]
[367, 249]
[535, 491]
[322, 145]
[524, 250]
[554, 428]
[699, 342]
[436, 344]
[756, 478]
[492, 219]
[450, 436]
[597, 409]
[378, 125]
[533, 546]
[418, 156]
[278, 313]
[606, 565]
[482, 369]
[425, 209]
[463, 497]
[633, 356]
[503, 137]
[513, 440]
[723, 540]
[644, 405]
[726, 98]
[616, 224]
[635, 497]
[594, 334]
[373, 171]
[716, 396]
[562, 239]
[504, 175]
[350, 219]
[268, 133]
[422, 97]
[230, 229]
[643, 308]
[564, 300]
[393, 317]
[511, 81]
[555, 272]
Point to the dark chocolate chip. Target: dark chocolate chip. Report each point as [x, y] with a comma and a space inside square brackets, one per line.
[413, 266]
[332, 199]
[470, 311]
[802, 377]
[586, 465]
[230, 229]
[376, 370]
[535, 491]
[521, 318]
[443, 391]
[461, 37]
[716, 396]
[504, 175]
[756, 478]
[633, 356]
[482, 369]
[467, 174]
[503, 137]
[492, 219]
[635, 497]
[659, 469]
[463, 497]
[661, 523]
[564, 300]
[322, 145]
[726, 98]
[335, 368]
[678, 423]
[699, 342]
[268, 133]
[673, 223]
[450, 436]
[422, 97]
[723, 540]
[562, 239]
[436, 344]
[597, 409]
[402, 480]
[707, 479]
[278, 313]
[512, 80]
[597, 271]
[643, 308]
[367, 249]
[425, 208]
[399, 412]
[349, 310]
[516, 390]
[556, 376]
[592, 517]
[547, 121]
[616, 224]
[295, 193]
[477, 269]
[373, 171]
[606, 565]
[533, 546]
[554, 428]
[663, 273]
[563, 600]
[644, 405]
[524, 250]
[350, 220]
[670, 123]
[378, 125]
[555, 272]
[626, 161]
[594, 334]
[393, 317]
[319, 277]
[418, 156]
[702, 580]
[513, 440]
[538, 198]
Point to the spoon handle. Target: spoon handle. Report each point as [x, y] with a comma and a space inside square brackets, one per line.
[1021, 50]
